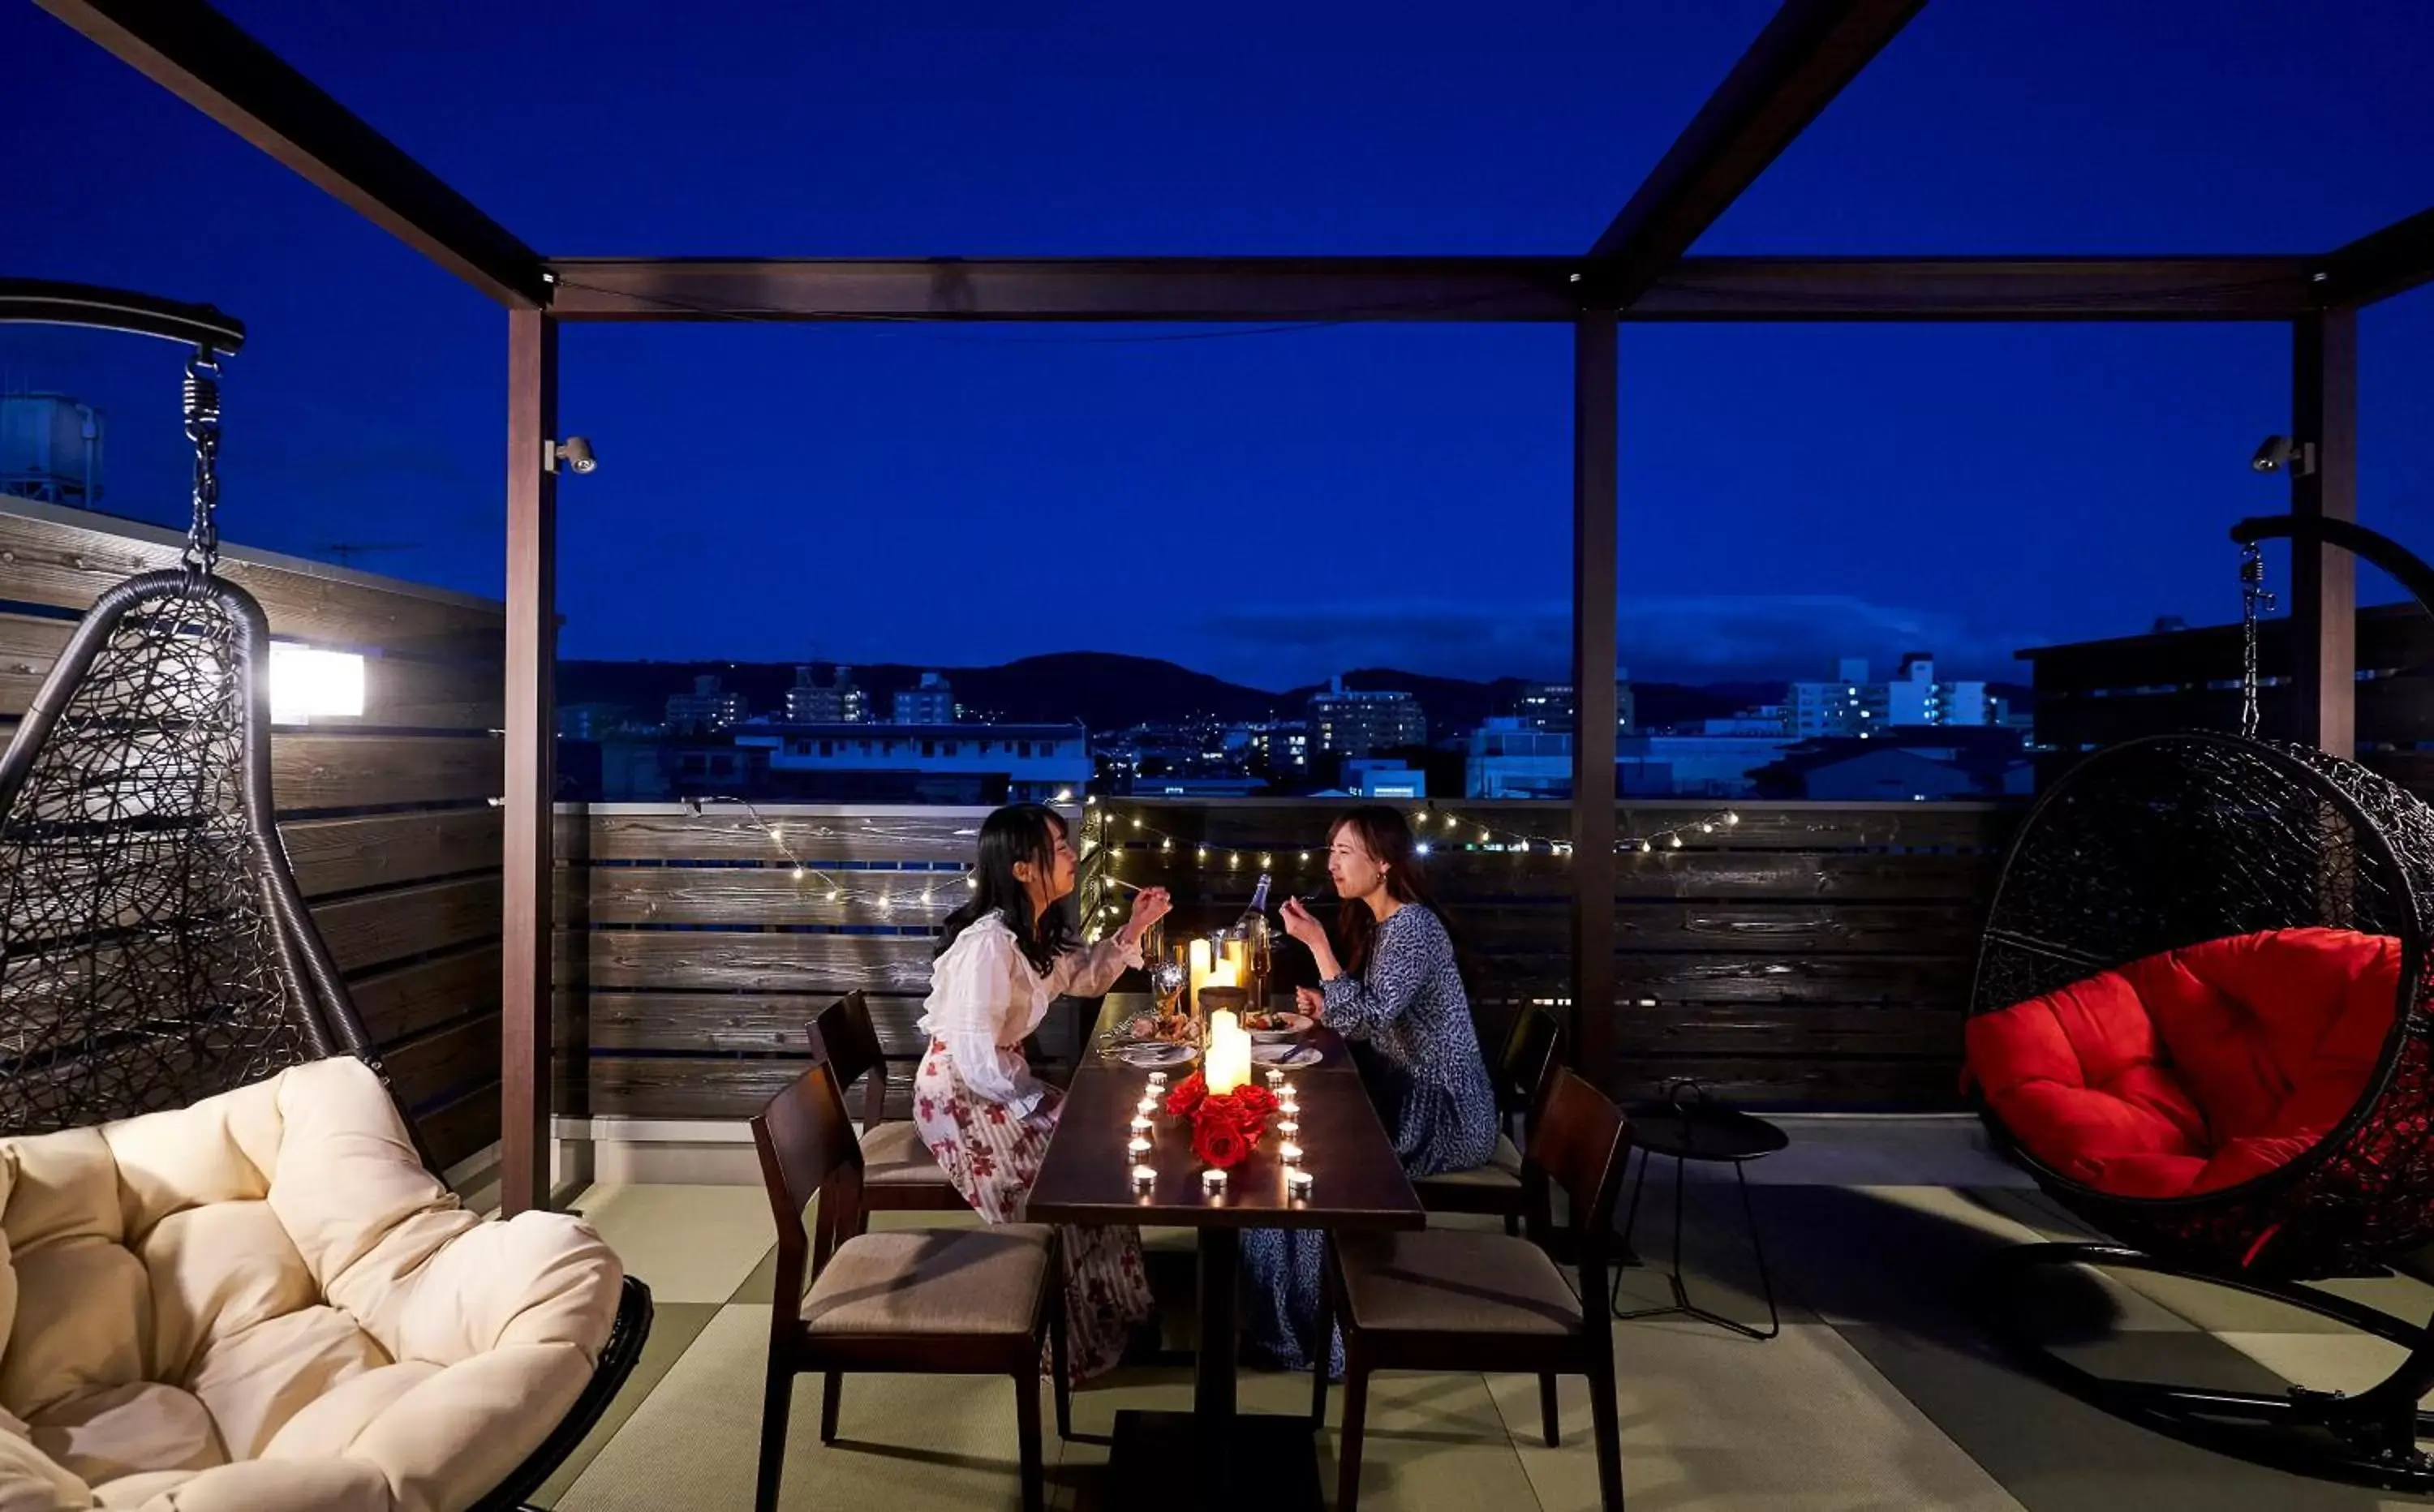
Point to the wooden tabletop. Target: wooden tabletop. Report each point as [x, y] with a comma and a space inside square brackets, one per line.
[1087, 1175]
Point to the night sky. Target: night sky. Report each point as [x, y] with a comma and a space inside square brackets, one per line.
[1267, 506]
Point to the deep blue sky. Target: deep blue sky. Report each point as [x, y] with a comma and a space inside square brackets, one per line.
[1264, 506]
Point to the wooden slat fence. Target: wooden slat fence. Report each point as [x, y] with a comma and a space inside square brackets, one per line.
[389, 818]
[1813, 955]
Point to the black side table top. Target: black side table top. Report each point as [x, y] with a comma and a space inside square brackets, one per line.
[1704, 1132]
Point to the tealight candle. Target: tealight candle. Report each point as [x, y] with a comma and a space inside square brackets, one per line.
[1297, 1183]
[1290, 1154]
[1141, 1123]
[1138, 1146]
[1213, 1182]
[1289, 1127]
[1143, 1177]
[1277, 1080]
[1156, 1080]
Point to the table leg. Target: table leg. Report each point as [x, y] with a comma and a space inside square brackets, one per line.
[1212, 1375]
[1267, 1460]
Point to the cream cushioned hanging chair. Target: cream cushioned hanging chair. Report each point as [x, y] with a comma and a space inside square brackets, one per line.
[265, 1301]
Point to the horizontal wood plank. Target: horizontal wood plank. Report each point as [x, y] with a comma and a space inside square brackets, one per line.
[318, 772]
[446, 1063]
[656, 1087]
[649, 959]
[1726, 1029]
[461, 1128]
[46, 562]
[398, 692]
[766, 896]
[372, 928]
[386, 850]
[407, 1000]
[1793, 1082]
[726, 833]
[755, 1022]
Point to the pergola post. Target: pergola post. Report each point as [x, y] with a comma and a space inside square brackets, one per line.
[531, 777]
[1595, 402]
[2323, 599]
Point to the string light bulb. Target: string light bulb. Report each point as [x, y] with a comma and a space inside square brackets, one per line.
[799, 874]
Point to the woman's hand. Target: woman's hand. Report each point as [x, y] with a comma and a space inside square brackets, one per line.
[1303, 925]
[1311, 1000]
[1150, 905]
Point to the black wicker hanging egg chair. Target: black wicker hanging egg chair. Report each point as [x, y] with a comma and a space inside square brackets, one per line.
[154, 947]
[2199, 1023]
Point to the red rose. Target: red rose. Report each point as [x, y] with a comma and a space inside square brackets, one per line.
[1219, 1143]
[1258, 1101]
[1187, 1096]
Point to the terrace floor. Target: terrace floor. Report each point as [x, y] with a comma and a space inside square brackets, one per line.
[1878, 1394]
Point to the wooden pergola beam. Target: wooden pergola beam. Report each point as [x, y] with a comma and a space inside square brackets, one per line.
[1799, 62]
[1507, 289]
[207, 60]
[2381, 264]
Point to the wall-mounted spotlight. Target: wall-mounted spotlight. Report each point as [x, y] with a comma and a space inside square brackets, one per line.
[576, 451]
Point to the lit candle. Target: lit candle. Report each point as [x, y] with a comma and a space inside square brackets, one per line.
[1141, 1123]
[1143, 1177]
[1292, 1153]
[1158, 1081]
[1297, 1184]
[1288, 1128]
[1140, 1146]
[1213, 1182]
[1276, 1080]
[1229, 1062]
[1198, 969]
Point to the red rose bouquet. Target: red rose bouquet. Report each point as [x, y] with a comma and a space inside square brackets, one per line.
[1226, 1126]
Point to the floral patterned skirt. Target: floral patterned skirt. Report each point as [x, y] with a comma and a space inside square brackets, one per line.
[992, 1156]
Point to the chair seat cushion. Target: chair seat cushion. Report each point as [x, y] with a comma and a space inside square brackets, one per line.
[2193, 1070]
[984, 1281]
[1502, 1171]
[894, 1155]
[265, 1302]
[1445, 1280]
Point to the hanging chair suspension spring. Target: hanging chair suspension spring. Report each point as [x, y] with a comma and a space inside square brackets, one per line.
[202, 397]
[2253, 598]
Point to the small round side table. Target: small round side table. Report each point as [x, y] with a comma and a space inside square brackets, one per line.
[1697, 1129]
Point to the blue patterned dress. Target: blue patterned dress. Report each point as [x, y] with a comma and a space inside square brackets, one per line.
[1408, 1014]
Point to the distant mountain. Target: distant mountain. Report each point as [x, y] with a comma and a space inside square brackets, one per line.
[1106, 692]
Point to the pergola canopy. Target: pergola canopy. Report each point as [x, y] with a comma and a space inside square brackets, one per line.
[1637, 270]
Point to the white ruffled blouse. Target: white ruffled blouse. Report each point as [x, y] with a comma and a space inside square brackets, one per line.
[985, 999]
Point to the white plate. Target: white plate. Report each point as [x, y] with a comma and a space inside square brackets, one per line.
[1152, 1057]
[1293, 1024]
[1287, 1055]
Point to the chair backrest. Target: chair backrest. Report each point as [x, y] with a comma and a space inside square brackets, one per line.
[844, 1034]
[808, 1149]
[1532, 1055]
[158, 949]
[1581, 1142]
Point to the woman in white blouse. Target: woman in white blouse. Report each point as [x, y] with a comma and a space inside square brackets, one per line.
[1002, 958]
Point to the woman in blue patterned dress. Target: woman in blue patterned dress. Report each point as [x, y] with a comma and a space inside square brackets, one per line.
[1397, 996]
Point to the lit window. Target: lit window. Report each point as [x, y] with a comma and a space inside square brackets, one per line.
[307, 683]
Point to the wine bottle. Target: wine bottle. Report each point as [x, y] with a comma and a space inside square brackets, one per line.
[1258, 906]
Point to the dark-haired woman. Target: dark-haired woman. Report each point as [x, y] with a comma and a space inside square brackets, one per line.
[1399, 992]
[1002, 958]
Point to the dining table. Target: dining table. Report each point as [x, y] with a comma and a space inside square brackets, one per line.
[1216, 1455]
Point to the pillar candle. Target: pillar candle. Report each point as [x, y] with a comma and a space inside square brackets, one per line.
[1198, 970]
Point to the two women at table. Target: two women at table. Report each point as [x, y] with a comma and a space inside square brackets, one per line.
[1002, 958]
[1396, 994]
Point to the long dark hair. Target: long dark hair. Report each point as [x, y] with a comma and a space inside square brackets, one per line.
[1019, 832]
[1387, 835]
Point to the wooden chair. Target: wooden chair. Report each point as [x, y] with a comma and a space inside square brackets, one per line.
[898, 1172]
[1523, 1072]
[1450, 1300]
[947, 1302]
